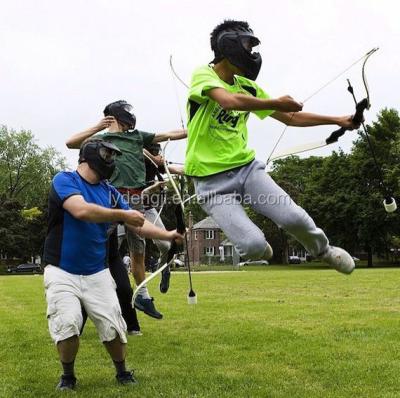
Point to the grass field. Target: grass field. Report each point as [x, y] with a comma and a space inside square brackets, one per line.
[269, 332]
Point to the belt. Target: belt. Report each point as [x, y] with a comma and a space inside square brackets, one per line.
[130, 191]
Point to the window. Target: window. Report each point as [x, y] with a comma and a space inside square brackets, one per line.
[210, 234]
[195, 235]
[209, 251]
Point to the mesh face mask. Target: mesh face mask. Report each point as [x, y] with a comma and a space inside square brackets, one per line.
[100, 156]
[240, 49]
[108, 155]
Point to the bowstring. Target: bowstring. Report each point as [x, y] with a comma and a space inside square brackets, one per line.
[176, 93]
[318, 91]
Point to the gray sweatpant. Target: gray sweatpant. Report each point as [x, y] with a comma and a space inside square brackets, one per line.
[223, 195]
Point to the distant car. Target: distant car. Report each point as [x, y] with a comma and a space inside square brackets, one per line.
[256, 262]
[294, 260]
[25, 269]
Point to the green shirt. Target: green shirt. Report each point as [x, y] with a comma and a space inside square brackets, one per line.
[217, 139]
[130, 171]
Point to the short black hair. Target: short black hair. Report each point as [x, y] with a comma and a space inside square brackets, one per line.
[83, 144]
[108, 110]
[228, 24]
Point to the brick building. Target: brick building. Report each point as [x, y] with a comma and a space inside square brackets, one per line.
[207, 244]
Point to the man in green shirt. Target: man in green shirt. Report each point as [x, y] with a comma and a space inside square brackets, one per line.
[129, 177]
[221, 97]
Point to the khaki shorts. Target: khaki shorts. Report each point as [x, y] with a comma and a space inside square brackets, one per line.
[136, 244]
[162, 245]
[65, 293]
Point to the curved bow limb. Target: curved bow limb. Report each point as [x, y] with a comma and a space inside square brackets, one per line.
[181, 228]
[338, 133]
[333, 137]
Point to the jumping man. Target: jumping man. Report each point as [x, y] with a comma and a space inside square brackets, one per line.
[221, 97]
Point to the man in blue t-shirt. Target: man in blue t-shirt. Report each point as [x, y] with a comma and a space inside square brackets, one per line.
[82, 205]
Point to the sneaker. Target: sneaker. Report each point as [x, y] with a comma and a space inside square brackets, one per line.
[135, 333]
[147, 306]
[165, 277]
[126, 378]
[339, 259]
[67, 383]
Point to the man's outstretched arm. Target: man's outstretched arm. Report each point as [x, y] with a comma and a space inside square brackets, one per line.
[305, 119]
[77, 206]
[242, 102]
[151, 231]
[287, 110]
[171, 135]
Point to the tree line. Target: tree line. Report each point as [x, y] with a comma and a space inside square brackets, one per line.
[26, 171]
[341, 192]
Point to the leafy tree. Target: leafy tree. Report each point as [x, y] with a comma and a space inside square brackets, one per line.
[293, 175]
[376, 228]
[12, 231]
[342, 192]
[26, 169]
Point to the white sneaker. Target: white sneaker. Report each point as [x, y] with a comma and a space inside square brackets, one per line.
[339, 259]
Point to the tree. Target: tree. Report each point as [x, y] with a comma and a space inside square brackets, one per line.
[293, 175]
[26, 169]
[342, 192]
[12, 231]
[376, 227]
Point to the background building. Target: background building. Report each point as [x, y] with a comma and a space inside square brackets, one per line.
[207, 243]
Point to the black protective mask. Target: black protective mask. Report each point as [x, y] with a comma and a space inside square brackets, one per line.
[122, 111]
[236, 47]
[100, 156]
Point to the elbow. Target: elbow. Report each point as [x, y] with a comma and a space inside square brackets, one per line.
[70, 144]
[228, 105]
[82, 214]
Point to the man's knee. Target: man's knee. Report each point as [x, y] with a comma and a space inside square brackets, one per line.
[253, 248]
[65, 325]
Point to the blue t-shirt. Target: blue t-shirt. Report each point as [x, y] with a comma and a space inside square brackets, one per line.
[77, 246]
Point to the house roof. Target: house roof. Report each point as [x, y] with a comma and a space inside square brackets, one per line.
[207, 223]
[226, 242]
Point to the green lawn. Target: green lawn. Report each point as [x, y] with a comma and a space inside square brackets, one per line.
[268, 332]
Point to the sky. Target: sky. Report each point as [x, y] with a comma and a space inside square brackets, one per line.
[62, 62]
